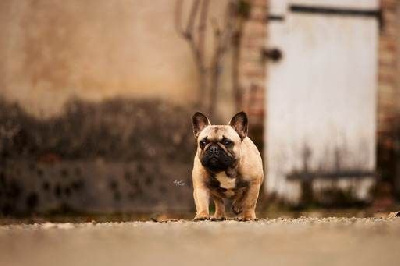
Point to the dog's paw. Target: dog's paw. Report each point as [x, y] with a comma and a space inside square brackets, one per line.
[199, 218]
[218, 218]
[247, 216]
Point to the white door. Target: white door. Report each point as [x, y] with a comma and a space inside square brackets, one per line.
[321, 96]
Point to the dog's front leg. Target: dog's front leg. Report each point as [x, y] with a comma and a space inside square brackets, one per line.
[219, 214]
[202, 200]
[250, 201]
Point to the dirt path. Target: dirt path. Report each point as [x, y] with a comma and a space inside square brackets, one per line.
[304, 241]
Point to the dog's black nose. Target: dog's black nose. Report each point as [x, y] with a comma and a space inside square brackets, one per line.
[213, 149]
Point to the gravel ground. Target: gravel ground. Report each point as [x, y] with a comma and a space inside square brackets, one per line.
[303, 241]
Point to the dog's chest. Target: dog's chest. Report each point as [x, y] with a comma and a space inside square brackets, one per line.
[225, 181]
[223, 184]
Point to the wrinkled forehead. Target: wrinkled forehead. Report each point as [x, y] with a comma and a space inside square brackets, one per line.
[217, 132]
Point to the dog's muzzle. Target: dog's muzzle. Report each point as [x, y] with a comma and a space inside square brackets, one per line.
[216, 159]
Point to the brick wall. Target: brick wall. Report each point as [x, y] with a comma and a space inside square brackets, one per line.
[252, 72]
[252, 69]
[389, 91]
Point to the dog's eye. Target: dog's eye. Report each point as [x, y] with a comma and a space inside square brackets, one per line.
[226, 142]
[203, 143]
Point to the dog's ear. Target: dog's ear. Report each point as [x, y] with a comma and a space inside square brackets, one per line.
[199, 122]
[240, 124]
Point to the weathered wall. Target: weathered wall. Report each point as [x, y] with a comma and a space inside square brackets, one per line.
[111, 156]
[86, 131]
[95, 186]
[53, 50]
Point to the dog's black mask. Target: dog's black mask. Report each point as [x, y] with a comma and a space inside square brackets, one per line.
[216, 159]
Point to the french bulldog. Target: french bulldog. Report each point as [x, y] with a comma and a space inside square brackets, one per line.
[227, 165]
